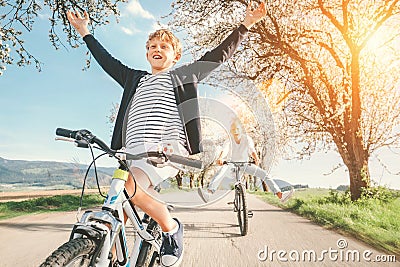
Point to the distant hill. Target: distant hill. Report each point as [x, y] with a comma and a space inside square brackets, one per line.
[49, 173]
[18, 173]
[284, 186]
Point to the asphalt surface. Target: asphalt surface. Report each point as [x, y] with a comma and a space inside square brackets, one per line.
[212, 238]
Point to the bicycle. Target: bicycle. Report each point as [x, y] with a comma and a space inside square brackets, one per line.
[99, 238]
[240, 201]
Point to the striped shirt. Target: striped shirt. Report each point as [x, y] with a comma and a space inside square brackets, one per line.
[153, 115]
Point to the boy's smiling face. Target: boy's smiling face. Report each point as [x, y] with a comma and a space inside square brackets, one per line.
[161, 55]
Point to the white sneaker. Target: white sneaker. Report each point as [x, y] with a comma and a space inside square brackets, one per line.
[204, 194]
[286, 195]
[171, 250]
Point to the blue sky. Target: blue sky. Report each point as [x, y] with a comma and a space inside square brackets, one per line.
[33, 104]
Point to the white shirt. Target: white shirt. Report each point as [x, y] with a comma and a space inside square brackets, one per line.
[153, 115]
[238, 152]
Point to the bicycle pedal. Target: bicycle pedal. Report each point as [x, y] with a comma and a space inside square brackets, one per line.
[250, 214]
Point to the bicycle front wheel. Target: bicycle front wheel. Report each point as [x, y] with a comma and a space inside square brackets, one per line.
[147, 255]
[76, 252]
[241, 208]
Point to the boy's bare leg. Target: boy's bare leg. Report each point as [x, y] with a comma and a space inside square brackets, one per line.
[171, 250]
[155, 209]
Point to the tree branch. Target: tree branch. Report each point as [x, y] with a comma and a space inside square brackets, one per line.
[380, 19]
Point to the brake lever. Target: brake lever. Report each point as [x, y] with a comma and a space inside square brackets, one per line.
[84, 135]
[157, 162]
[64, 139]
[82, 143]
[160, 164]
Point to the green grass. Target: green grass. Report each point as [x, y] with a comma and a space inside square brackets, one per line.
[47, 204]
[374, 220]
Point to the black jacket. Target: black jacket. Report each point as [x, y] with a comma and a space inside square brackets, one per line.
[184, 79]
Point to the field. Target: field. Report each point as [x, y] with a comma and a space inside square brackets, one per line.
[25, 195]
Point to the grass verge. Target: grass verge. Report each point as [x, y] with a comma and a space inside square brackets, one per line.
[374, 220]
[48, 204]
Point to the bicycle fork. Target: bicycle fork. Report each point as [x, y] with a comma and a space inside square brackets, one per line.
[106, 227]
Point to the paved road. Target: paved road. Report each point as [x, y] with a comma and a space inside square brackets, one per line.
[211, 238]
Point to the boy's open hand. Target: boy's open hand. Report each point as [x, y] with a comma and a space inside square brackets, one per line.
[254, 15]
[78, 22]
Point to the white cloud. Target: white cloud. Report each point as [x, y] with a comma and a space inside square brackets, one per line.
[136, 9]
[129, 31]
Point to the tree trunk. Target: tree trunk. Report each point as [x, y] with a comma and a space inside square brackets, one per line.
[359, 179]
[179, 179]
[264, 185]
[355, 157]
[191, 181]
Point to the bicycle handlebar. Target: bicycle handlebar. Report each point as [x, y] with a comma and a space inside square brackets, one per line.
[82, 136]
[237, 162]
[186, 161]
[85, 136]
[173, 158]
[66, 133]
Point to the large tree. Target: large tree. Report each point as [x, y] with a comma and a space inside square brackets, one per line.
[331, 65]
[17, 18]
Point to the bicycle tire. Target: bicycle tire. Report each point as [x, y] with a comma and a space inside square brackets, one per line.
[241, 208]
[146, 254]
[76, 252]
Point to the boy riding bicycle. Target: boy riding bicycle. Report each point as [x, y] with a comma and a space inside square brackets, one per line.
[238, 149]
[152, 112]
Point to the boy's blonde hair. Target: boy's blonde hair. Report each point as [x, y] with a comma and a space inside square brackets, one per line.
[166, 36]
[236, 123]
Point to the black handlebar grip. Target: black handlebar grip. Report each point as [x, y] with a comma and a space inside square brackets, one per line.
[186, 161]
[66, 133]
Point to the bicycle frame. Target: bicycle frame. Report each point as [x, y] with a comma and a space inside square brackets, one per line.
[106, 227]
[237, 166]
[114, 232]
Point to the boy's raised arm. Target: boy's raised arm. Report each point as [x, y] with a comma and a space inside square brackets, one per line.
[254, 15]
[78, 22]
[118, 71]
[220, 54]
